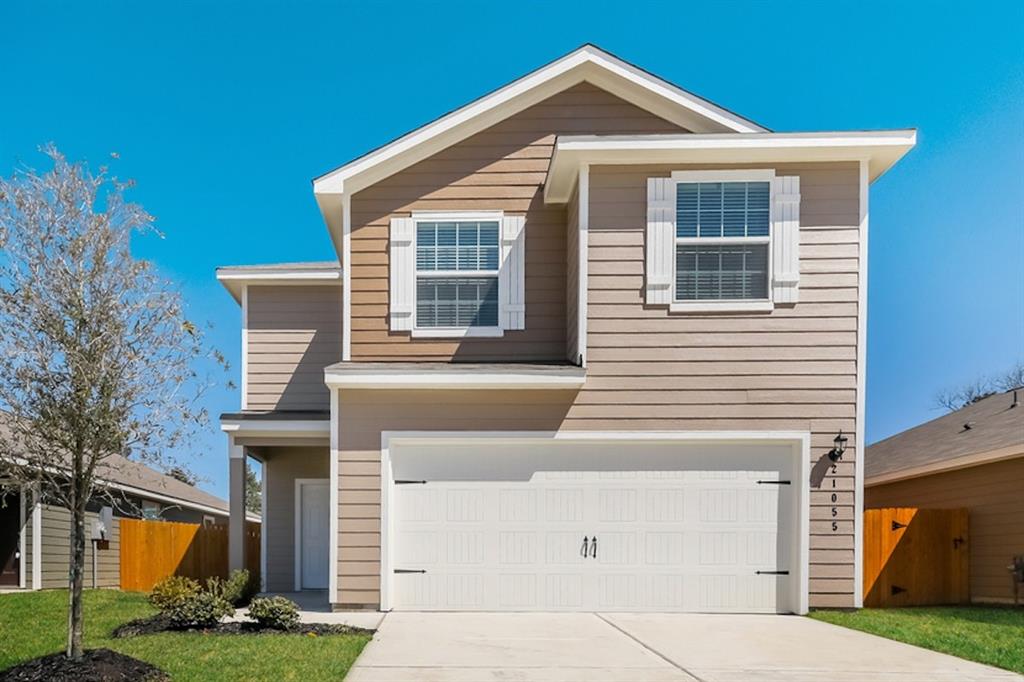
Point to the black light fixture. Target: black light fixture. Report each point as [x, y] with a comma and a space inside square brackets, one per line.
[838, 447]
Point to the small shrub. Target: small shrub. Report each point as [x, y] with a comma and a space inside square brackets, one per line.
[237, 590]
[172, 590]
[203, 609]
[274, 612]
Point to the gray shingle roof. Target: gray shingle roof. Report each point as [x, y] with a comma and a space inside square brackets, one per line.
[994, 426]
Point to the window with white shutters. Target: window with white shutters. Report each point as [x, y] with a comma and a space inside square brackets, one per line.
[457, 268]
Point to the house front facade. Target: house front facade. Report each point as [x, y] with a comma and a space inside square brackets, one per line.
[591, 343]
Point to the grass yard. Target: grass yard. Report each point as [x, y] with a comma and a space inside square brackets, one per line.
[34, 624]
[987, 634]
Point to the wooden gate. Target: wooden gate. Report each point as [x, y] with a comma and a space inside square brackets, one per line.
[915, 557]
[153, 550]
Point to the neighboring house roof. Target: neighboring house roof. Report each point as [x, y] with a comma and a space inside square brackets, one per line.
[996, 432]
[236, 277]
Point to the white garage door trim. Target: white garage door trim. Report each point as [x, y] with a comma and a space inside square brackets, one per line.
[800, 443]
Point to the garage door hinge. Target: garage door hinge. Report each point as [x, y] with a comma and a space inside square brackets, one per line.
[771, 572]
[775, 482]
[409, 570]
[410, 482]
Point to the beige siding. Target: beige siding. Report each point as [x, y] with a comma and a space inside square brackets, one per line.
[994, 494]
[281, 467]
[56, 546]
[792, 369]
[293, 333]
[501, 168]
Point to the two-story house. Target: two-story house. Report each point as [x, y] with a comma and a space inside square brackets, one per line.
[591, 342]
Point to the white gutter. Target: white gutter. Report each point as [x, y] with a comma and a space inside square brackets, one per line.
[413, 379]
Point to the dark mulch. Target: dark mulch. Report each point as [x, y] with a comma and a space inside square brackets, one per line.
[155, 624]
[96, 665]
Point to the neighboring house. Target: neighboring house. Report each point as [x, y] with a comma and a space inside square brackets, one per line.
[972, 458]
[35, 535]
[587, 345]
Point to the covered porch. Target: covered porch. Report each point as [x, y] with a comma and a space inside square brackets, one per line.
[293, 449]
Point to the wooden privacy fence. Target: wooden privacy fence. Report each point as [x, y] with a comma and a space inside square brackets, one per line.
[915, 557]
[153, 550]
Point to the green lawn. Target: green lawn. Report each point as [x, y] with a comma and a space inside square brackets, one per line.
[986, 634]
[33, 624]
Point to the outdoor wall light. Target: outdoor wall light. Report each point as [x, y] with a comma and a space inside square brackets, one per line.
[838, 447]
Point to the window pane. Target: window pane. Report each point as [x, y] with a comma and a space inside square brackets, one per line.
[722, 209]
[716, 273]
[455, 246]
[457, 302]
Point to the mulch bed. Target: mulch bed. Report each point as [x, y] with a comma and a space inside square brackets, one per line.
[155, 624]
[96, 665]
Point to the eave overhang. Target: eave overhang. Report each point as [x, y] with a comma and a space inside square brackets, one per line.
[880, 148]
[409, 376]
[235, 278]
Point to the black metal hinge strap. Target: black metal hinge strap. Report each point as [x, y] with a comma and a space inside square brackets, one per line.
[771, 572]
[409, 570]
[410, 482]
[775, 482]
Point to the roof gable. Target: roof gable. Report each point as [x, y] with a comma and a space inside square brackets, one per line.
[588, 63]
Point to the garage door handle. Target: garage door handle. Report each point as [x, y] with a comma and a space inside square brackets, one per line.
[583, 550]
[593, 548]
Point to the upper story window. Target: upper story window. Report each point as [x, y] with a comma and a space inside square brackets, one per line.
[722, 240]
[457, 274]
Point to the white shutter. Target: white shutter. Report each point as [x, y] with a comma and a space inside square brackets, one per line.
[661, 240]
[402, 252]
[512, 276]
[786, 239]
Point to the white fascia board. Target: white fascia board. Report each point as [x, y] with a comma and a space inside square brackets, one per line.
[275, 427]
[587, 63]
[149, 494]
[881, 149]
[235, 279]
[457, 380]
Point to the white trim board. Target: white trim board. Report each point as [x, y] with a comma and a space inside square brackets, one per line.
[332, 549]
[800, 442]
[862, 357]
[37, 540]
[297, 540]
[236, 279]
[412, 379]
[881, 149]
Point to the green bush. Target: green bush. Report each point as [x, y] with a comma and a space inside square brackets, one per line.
[237, 590]
[274, 612]
[203, 609]
[172, 590]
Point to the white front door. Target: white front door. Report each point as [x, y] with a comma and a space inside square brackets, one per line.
[702, 535]
[314, 534]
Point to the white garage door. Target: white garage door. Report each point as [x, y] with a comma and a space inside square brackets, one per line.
[689, 538]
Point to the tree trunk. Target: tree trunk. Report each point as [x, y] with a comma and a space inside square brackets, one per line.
[76, 575]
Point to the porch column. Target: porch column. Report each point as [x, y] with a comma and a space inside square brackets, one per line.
[236, 505]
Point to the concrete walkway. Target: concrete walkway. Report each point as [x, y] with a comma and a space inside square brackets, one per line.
[577, 647]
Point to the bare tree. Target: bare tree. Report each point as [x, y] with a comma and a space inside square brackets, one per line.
[953, 399]
[97, 357]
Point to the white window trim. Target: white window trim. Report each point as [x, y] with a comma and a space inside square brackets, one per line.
[735, 305]
[496, 331]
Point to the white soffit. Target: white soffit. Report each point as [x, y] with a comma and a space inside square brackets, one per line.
[588, 63]
[406, 380]
[235, 278]
[880, 148]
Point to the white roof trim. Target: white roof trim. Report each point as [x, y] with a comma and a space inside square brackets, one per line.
[276, 427]
[410, 379]
[880, 148]
[235, 279]
[588, 63]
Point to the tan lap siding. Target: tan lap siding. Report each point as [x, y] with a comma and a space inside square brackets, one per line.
[56, 548]
[994, 494]
[293, 333]
[792, 369]
[501, 168]
[281, 467]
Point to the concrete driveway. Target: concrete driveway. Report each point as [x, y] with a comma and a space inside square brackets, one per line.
[476, 647]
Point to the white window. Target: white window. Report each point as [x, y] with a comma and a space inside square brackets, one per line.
[150, 510]
[457, 267]
[457, 274]
[722, 240]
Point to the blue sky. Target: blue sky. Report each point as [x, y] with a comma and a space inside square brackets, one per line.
[224, 112]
